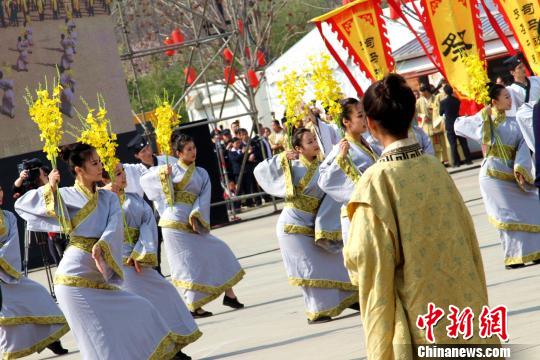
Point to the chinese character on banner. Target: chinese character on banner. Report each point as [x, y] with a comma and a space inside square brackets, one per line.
[457, 47]
[455, 32]
[460, 323]
[494, 322]
[522, 17]
[428, 321]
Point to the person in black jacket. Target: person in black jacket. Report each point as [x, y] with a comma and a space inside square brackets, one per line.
[449, 108]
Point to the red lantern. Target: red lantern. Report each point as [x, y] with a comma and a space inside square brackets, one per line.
[190, 74]
[252, 79]
[248, 53]
[228, 55]
[169, 41]
[240, 24]
[229, 74]
[261, 61]
[177, 36]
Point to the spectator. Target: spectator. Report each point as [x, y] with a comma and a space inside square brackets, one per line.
[33, 174]
[449, 108]
[277, 138]
[262, 144]
[235, 156]
[235, 125]
[248, 184]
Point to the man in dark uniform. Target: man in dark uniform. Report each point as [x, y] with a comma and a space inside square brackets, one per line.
[142, 151]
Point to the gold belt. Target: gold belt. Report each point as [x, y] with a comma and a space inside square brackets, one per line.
[83, 243]
[184, 197]
[131, 235]
[305, 203]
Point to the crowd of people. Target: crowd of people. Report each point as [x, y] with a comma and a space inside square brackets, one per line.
[16, 12]
[369, 207]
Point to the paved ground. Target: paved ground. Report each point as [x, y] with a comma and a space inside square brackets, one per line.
[273, 324]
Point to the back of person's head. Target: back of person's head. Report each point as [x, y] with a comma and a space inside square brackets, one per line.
[276, 122]
[347, 108]
[424, 88]
[181, 141]
[76, 155]
[391, 103]
[448, 90]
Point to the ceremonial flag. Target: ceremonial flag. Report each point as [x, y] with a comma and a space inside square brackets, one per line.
[361, 29]
[523, 17]
[455, 32]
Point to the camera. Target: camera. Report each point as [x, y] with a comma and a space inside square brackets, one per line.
[33, 166]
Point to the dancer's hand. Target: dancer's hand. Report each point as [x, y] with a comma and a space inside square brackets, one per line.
[169, 169]
[97, 255]
[54, 179]
[111, 187]
[292, 155]
[521, 179]
[134, 263]
[488, 110]
[344, 147]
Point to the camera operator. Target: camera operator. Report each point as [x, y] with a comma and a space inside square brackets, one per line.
[32, 175]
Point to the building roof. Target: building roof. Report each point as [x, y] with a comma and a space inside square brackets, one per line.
[413, 49]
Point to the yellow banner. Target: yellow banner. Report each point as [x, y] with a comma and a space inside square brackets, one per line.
[523, 17]
[455, 32]
[360, 28]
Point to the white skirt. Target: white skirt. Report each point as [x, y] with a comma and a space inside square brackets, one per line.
[202, 265]
[30, 320]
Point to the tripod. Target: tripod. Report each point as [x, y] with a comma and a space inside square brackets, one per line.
[41, 241]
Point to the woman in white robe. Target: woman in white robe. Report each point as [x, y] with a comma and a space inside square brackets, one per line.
[30, 320]
[202, 265]
[139, 258]
[348, 160]
[506, 178]
[305, 241]
[107, 322]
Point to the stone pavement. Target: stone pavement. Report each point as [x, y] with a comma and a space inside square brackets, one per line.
[273, 324]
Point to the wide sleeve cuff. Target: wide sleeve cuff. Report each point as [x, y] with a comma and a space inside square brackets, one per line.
[348, 169]
[166, 184]
[196, 218]
[289, 186]
[145, 259]
[8, 269]
[518, 169]
[109, 258]
[48, 198]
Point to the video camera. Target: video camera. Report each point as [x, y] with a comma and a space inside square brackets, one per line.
[33, 166]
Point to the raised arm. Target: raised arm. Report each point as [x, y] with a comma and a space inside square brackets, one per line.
[271, 173]
[338, 176]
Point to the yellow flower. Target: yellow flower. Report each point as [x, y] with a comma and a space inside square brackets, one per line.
[97, 132]
[327, 88]
[167, 120]
[292, 88]
[44, 110]
[476, 89]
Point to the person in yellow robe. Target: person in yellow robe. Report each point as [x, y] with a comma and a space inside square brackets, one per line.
[412, 240]
[427, 109]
